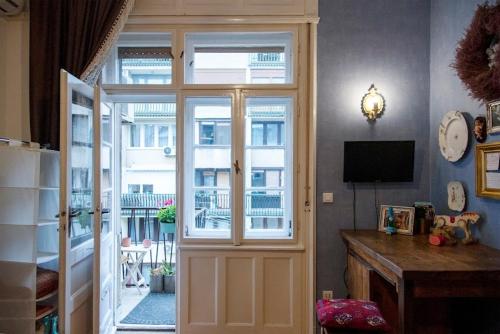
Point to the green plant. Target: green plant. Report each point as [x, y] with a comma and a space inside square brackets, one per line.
[167, 268]
[157, 271]
[167, 213]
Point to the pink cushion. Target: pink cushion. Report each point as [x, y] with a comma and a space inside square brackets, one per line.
[350, 314]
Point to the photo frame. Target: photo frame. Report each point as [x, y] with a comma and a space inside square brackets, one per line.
[493, 116]
[404, 218]
[488, 170]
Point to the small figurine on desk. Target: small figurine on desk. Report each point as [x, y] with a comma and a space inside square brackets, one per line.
[443, 231]
[391, 226]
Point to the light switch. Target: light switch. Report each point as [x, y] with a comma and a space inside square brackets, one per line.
[327, 197]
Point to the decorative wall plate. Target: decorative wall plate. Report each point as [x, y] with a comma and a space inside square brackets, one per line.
[453, 136]
[456, 196]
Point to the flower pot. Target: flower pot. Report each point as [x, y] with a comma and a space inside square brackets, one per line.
[169, 283]
[167, 227]
[126, 242]
[156, 283]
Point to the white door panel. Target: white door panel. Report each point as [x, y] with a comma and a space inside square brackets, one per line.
[241, 292]
[104, 223]
[77, 197]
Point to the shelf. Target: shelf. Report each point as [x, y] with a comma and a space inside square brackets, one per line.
[43, 257]
[50, 295]
[46, 311]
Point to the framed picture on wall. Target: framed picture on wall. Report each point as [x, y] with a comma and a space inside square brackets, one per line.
[488, 170]
[404, 218]
[493, 116]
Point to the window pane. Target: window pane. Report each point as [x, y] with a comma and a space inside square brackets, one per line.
[134, 188]
[162, 136]
[268, 167]
[239, 58]
[147, 188]
[208, 167]
[135, 136]
[149, 135]
[140, 58]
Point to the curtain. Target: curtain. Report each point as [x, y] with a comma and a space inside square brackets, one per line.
[75, 35]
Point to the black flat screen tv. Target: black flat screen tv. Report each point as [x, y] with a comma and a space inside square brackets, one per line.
[379, 161]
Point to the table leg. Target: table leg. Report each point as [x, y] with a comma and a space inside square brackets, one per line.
[405, 307]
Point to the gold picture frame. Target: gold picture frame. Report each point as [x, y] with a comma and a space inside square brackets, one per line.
[404, 218]
[488, 170]
[493, 117]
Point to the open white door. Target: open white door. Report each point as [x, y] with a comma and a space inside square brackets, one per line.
[104, 228]
[77, 198]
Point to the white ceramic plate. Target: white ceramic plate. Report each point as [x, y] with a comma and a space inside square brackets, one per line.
[456, 196]
[453, 136]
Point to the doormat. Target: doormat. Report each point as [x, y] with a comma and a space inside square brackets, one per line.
[154, 309]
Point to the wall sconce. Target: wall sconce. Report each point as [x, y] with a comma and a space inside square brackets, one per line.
[372, 104]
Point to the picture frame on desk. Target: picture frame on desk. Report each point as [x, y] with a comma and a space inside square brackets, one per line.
[404, 218]
[488, 170]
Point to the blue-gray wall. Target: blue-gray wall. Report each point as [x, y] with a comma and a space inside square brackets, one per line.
[449, 19]
[360, 42]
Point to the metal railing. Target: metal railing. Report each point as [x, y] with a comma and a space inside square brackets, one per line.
[213, 204]
[267, 59]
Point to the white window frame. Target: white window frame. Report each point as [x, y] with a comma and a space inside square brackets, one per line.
[189, 232]
[253, 38]
[289, 170]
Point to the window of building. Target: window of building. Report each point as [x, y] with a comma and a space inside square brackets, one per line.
[134, 188]
[267, 133]
[140, 58]
[147, 188]
[215, 133]
[163, 135]
[135, 135]
[238, 58]
[149, 135]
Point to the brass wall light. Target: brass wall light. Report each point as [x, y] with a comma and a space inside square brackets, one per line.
[372, 104]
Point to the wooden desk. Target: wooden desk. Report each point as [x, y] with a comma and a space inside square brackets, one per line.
[413, 281]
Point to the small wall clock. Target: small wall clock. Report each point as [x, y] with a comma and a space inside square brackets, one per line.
[456, 196]
[453, 136]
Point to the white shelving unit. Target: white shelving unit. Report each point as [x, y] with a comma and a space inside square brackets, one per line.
[29, 237]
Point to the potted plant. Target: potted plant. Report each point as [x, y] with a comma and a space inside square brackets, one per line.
[166, 217]
[168, 276]
[156, 280]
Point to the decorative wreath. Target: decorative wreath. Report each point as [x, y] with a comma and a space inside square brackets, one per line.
[477, 59]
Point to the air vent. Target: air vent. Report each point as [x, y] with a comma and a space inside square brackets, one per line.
[11, 7]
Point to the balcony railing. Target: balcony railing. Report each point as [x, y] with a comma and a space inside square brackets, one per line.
[267, 60]
[213, 204]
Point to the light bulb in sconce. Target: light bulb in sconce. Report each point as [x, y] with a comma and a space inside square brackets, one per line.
[372, 104]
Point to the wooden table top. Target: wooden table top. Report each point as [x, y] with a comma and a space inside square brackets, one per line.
[409, 256]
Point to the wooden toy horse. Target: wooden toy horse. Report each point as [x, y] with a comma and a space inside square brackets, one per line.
[461, 221]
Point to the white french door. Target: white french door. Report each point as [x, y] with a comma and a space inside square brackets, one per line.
[77, 198]
[104, 228]
[88, 208]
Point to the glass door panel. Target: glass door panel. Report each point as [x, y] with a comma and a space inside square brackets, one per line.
[208, 163]
[268, 168]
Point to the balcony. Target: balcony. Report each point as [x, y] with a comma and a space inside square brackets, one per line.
[267, 60]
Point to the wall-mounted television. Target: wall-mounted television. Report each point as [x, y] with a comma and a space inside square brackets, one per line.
[379, 161]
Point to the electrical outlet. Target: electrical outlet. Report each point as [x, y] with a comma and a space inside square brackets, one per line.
[327, 197]
[327, 294]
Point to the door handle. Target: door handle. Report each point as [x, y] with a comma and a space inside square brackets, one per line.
[237, 168]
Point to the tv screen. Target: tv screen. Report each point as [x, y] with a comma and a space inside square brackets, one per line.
[378, 161]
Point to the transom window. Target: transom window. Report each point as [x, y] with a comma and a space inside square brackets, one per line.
[238, 58]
